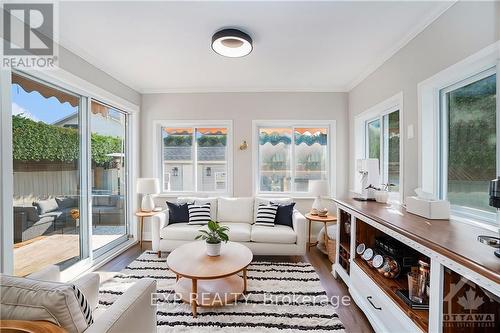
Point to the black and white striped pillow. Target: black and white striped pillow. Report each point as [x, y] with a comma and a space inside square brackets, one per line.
[84, 305]
[199, 214]
[266, 215]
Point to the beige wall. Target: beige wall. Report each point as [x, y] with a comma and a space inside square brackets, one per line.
[461, 31]
[242, 108]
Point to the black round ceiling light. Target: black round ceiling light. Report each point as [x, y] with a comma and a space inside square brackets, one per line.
[232, 43]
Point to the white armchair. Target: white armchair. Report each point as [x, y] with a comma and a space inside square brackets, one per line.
[132, 312]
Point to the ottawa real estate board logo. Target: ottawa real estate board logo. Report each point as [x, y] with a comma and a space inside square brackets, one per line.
[29, 36]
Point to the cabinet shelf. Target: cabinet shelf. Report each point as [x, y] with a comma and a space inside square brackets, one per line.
[389, 287]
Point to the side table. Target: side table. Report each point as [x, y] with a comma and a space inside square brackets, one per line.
[141, 215]
[325, 220]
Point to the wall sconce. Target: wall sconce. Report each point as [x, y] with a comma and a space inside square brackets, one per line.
[175, 171]
[243, 145]
[209, 171]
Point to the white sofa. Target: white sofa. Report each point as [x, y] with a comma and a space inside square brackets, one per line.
[239, 215]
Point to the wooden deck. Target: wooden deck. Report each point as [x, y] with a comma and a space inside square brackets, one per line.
[34, 254]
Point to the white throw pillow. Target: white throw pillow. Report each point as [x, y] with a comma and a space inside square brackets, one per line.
[201, 201]
[58, 303]
[235, 210]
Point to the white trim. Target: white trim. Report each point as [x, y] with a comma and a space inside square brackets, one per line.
[158, 154]
[332, 154]
[420, 27]
[378, 111]
[6, 175]
[429, 116]
[428, 110]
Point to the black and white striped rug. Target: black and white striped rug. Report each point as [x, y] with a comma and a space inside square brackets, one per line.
[282, 297]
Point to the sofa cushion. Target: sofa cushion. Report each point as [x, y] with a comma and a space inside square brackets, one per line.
[181, 231]
[28, 299]
[238, 232]
[199, 214]
[279, 234]
[267, 201]
[235, 210]
[202, 201]
[177, 213]
[284, 214]
[46, 206]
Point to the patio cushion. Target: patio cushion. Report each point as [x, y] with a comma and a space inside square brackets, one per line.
[66, 202]
[46, 206]
[30, 211]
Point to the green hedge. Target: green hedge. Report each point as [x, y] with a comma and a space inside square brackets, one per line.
[37, 141]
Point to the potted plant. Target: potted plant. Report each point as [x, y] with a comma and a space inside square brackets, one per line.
[213, 237]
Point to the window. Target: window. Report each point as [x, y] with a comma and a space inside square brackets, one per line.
[468, 152]
[382, 143]
[287, 157]
[195, 157]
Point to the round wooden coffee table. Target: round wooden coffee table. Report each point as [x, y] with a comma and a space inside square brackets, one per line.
[210, 281]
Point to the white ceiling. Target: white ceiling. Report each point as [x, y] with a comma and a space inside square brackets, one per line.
[298, 46]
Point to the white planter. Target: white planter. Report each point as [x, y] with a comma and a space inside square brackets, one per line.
[213, 250]
[382, 196]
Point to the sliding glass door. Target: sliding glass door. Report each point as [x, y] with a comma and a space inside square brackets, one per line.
[108, 128]
[46, 132]
[68, 150]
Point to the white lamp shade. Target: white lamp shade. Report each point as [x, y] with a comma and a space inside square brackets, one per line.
[318, 188]
[148, 185]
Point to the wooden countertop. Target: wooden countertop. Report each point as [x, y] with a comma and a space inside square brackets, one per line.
[452, 239]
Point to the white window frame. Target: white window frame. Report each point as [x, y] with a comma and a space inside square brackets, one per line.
[361, 149]
[88, 91]
[429, 123]
[384, 142]
[466, 212]
[158, 154]
[330, 158]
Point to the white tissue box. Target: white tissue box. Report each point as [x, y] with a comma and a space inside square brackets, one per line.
[430, 209]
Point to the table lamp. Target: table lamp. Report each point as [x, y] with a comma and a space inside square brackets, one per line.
[318, 189]
[148, 186]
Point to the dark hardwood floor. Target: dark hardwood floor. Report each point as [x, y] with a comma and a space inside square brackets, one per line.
[351, 316]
